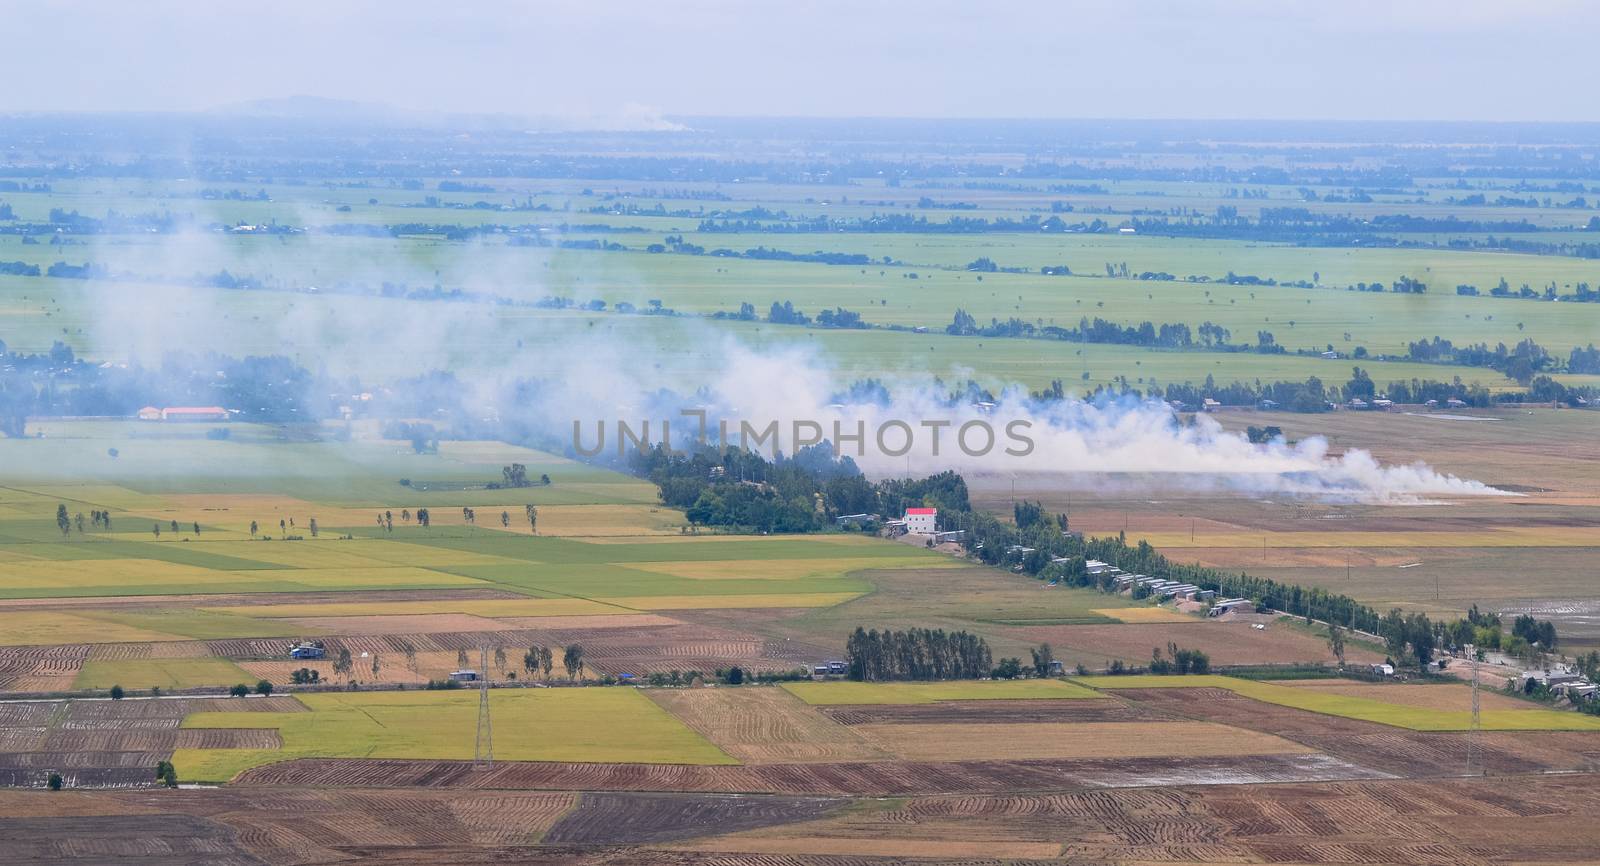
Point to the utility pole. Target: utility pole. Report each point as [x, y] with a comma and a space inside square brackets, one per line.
[1472, 732]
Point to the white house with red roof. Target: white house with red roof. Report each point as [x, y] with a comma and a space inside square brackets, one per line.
[921, 520]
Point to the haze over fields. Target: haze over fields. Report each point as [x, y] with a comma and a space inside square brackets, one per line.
[803, 434]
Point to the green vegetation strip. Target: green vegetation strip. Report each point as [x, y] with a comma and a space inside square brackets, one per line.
[166, 673]
[843, 693]
[1362, 709]
[570, 724]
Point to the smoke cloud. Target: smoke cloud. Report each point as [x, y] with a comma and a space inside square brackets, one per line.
[598, 369]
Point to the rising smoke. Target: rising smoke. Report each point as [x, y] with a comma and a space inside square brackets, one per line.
[596, 370]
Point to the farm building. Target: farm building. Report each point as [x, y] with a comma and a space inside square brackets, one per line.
[1096, 567]
[1232, 605]
[955, 535]
[464, 676]
[306, 651]
[857, 520]
[184, 413]
[1382, 670]
[922, 521]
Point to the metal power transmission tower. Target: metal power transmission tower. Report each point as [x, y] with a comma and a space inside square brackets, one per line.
[483, 750]
[1472, 732]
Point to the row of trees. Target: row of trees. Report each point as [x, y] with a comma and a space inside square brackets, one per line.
[916, 654]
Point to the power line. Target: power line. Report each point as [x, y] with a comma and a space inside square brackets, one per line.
[483, 748]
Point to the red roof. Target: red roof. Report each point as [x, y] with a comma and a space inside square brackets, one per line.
[911, 511]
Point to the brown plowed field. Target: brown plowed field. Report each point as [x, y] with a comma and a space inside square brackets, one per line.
[765, 726]
[1437, 823]
[40, 668]
[172, 649]
[171, 839]
[883, 778]
[1532, 819]
[925, 742]
[994, 712]
[635, 818]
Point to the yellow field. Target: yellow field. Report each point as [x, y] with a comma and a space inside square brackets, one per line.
[1142, 614]
[41, 628]
[166, 673]
[783, 569]
[713, 602]
[330, 578]
[54, 573]
[518, 607]
[604, 520]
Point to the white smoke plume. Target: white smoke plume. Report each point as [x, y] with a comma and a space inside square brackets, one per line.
[920, 430]
[603, 368]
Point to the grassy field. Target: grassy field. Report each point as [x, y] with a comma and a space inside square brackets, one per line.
[1364, 709]
[578, 725]
[165, 673]
[845, 693]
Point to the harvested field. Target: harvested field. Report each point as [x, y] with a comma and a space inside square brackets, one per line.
[597, 621]
[870, 778]
[392, 668]
[1143, 614]
[1381, 747]
[40, 668]
[956, 742]
[765, 726]
[435, 623]
[638, 818]
[1436, 823]
[185, 649]
[1448, 697]
[37, 627]
[165, 839]
[1227, 643]
[1526, 718]
[995, 712]
[836, 693]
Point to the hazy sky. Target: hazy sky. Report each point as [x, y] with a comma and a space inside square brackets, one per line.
[1352, 59]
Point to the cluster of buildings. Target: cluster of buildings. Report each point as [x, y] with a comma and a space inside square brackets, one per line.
[1122, 581]
[1562, 683]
